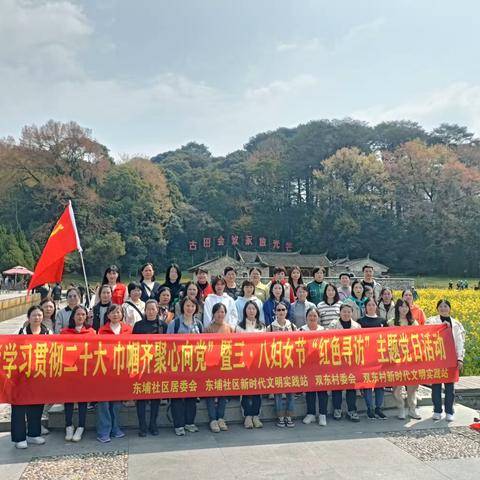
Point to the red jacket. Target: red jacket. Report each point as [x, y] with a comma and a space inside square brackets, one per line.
[118, 296]
[83, 331]
[207, 291]
[106, 329]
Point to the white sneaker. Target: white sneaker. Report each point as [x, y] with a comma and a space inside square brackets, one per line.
[414, 414]
[69, 431]
[21, 445]
[309, 418]
[36, 440]
[214, 427]
[401, 414]
[437, 416]
[78, 434]
[180, 431]
[322, 420]
[337, 414]
[257, 423]
[248, 422]
[192, 428]
[44, 431]
[449, 417]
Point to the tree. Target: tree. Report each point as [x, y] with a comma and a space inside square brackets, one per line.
[451, 134]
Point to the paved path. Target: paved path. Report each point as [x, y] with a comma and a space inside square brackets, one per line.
[341, 450]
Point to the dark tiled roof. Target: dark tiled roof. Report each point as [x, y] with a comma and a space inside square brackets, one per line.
[286, 259]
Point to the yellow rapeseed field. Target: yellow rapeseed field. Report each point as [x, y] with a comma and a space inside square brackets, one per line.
[466, 309]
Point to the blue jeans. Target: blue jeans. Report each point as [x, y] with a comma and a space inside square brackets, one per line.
[107, 418]
[368, 395]
[216, 411]
[437, 397]
[284, 408]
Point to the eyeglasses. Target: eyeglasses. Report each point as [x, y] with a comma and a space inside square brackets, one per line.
[72, 296]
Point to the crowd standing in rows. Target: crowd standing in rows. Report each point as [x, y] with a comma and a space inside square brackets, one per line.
[285, 304]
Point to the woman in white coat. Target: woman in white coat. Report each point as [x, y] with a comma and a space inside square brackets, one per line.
[458, 332]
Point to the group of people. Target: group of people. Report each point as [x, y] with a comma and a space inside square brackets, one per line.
[286, 303]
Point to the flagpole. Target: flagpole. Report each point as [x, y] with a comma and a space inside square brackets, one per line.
[80, 250]
[87, 291]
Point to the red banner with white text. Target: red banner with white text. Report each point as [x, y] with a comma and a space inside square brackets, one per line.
[70, 368]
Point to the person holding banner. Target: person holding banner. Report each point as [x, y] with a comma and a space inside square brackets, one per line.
[216, 405]
[344, 322]
[63, 316]
[313, 319]
[458, 332]
[403, 318]
[77, 325]
[108, 412]
[184, 410]
[119, 290]
[251, 404]
[372, 320]
[147, 281]
[283, 407]
[149, 325]
[26, 420]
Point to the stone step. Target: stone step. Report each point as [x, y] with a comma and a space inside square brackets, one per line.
[233, 413]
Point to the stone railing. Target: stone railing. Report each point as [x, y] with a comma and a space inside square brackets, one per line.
[15, 306]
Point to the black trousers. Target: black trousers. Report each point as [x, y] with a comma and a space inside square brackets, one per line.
[23, 415]
[142, 413]
[184, 411]
[351, 397]
[82, 414]
[311, 398]
[251, 405]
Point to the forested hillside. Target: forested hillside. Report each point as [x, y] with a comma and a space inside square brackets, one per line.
[409, 197]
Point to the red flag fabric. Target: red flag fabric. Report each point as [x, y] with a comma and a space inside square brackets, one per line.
[63, 240]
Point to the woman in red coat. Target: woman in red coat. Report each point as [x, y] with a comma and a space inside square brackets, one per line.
[77, 325]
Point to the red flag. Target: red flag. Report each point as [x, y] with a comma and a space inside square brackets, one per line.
[63, 240]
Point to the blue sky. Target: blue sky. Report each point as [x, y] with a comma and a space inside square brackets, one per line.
[147, 76]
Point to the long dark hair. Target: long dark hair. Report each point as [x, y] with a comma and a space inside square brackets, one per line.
[270, 292]
[363, 289]
[290, 279]
[110, 269]
[243, 322]
[167, 273]
[199, 295]
[396, 320]
[336, 298]
[71, 319]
